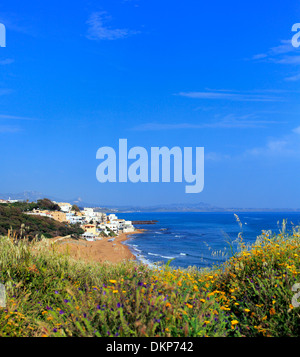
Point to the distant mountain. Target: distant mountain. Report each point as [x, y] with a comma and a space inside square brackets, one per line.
[23, 196]
[33, 196]
[196, 207]
[177, 207]
[180, 207]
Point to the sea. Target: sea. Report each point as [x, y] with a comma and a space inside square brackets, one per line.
[199, 239]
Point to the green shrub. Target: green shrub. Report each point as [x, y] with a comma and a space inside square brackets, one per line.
[51, 294]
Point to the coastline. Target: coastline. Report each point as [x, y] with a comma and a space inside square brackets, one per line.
[100, 251]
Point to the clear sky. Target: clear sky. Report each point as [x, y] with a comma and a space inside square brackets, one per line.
[76, 76]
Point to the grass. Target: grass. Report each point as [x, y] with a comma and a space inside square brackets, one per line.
[50, 294]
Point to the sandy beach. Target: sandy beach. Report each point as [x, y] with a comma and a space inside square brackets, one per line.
[98, 251]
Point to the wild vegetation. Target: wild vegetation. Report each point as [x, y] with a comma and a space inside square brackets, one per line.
[42, 204]
[21, 225]
[50, 294]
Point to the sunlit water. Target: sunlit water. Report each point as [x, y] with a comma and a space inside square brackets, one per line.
[198, 239]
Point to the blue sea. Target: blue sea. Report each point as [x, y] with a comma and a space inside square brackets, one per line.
[199, 239]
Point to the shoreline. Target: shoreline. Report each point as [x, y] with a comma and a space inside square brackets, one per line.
[100, 251]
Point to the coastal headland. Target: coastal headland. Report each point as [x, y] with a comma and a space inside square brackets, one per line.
[145, 222]
[110, 250]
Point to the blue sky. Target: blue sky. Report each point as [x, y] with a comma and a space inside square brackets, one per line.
[78, 76]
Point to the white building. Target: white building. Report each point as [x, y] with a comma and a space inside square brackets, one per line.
[112, 217]
[117, 225]
[12, 201]
[76, 219]
[38, 213]
[128, 227]
[64, 206]
[91, 215]
[88, 210]
[88, 236]
[113, 226]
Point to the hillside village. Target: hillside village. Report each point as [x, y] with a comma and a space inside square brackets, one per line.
[94, 224]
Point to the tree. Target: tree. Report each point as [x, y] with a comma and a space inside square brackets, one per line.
[75, 208]
[46, 204]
